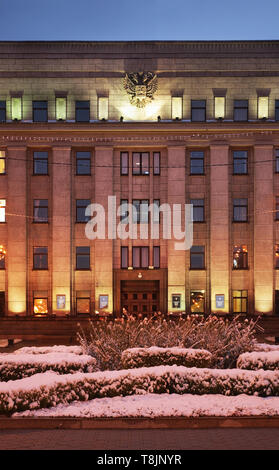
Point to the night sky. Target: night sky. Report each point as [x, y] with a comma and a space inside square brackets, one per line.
[138, 20]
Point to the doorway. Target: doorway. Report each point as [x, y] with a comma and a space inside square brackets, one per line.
[276, 303]
[2, 304]
[140, 297]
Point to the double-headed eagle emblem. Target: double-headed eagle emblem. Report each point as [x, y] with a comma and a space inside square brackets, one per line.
[140, 87]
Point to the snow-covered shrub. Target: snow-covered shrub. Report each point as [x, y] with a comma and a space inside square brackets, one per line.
[154, 356]
[49, 349]
[225, 339]
[50, 389]
[14, 367]
[259, 360]
[264, 347]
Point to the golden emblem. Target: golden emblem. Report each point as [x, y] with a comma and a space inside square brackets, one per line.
[141, 87]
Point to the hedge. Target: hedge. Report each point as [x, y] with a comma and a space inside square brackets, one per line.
[155, 356]
[15, 367]
[50, 389]
[259, 360]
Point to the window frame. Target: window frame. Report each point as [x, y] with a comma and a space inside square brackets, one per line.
[79, 297]
[44, 206]
[193, 159]
[241, 298]
[199, 108]
[158, 166]
[83, 255]
[81, 159]
[39, 108]
[200, 252]
[44, 256]
[86, 218]
[42, 160]
[243, 258]
[3, 109]
[79, 108]
[238, 108]
[238, 206]
[141, 250]
[124, 249]
[198, 206]
[141, 166]
[236, 158]
[4, 159]
[157, 248]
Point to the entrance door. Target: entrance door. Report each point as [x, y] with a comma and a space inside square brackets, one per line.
[140, 297]
[276, 306]
[2, 304]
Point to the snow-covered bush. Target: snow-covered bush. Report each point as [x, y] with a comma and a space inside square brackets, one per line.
[14, 367]
[225, 339]
[154, 356]
[49, 349]
[50, 389]
[259, 360]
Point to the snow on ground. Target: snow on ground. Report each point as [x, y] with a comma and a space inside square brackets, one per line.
[152, 405]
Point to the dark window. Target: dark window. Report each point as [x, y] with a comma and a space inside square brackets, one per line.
[197, 257]
[81, 205]
[198, 110]
[40, 111]
[276, 110]
[198, 210]
[2, 111]
[141, 163]
[140, 211]
[124, 212]
[241, 110]
[277, 160]
[240, 301]
[124, 257]
[156, 163]
[82, 111]
[197, 163]
[240, 162]
[276, 256]
[83, 304]
[240, 210]
[40, 257]
[40, 163]
[124, 163]
[83, 257]
[277, 208]
[240, 257]
[140, 257]
[40, 210]
[83, 163]
[197, 301]
[156, 256]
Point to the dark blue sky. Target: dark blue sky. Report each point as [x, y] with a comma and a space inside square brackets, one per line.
[138, 20]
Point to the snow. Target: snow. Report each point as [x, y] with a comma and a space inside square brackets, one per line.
[49, 349]
[49, 358]
[266, 347]
[152, 405]
[259, 360]
[174, 350]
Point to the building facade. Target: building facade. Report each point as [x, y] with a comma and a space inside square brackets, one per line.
[142, 123]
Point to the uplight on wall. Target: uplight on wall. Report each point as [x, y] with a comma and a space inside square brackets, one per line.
[219, 107]
[16, 102]
[103, 108]
[262, 107]
[176, 107]
[61, 108]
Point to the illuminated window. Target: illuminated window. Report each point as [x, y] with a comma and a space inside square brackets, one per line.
[198, 110]
[2, 162]
[219, 107]
[40, 257]
[2, 111]
[141, 163]
[82, 257]
[83, 163]
[103, 108]
[81, 205]
[240, 257]
[40, 210]
[176, 107]
[82, 111]
[40, 163]
[83, 302]
[2, 210]
[40, 113]
[124, 257]
[263, 107]
[240, 210]
[197, 257]
[240, 110]
[240, 162]
[197, 163]
[198, 210]
[277, 256]
[40, 306]
[2, 257]
[61, 108]
[197, 301]
[16, 102]
[240, 301]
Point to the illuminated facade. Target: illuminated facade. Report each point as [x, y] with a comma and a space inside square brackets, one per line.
[199, 126]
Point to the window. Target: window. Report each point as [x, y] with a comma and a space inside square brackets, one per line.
[276, 110]
[2, 162]
[198, 110]
[263, 107]
[240, 210]
[198, 210]
[176, 107]
[277, 208]
[82, 257]
[141, 163]
[277, 256]
[156, 163]
[40, 306]
[83, 302]
[124, 257]
[277, 160]
[61, 108]
[40, 257]
[240, 257]
[40, 210]
[103, 108]
[2, 258]
[240, 110]
[156, 211]
[197, 163]
[156, 257]
[2, 111]
[219, 107]
[197, 301]
[124, 212]
[40, 163]
[81, 205]
[140, 257]
[124, 163]
[240, 301]
[197, 257]
[83, 163]
[82, 111]
[140, 211]
[40, 111]
[240, 162]
[16, 102]
[2, 210]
